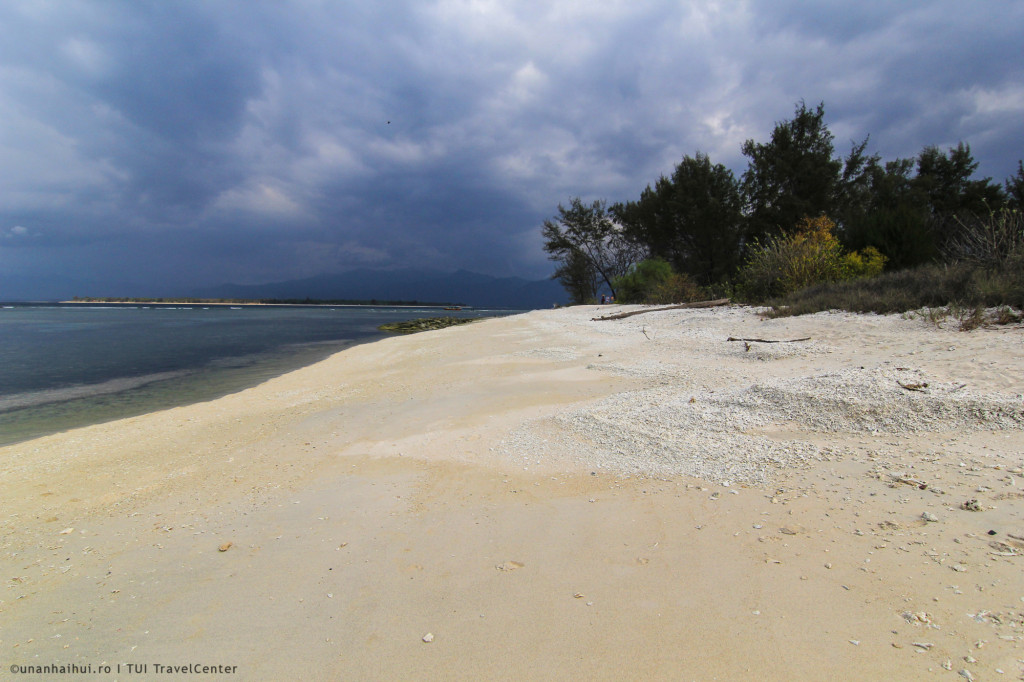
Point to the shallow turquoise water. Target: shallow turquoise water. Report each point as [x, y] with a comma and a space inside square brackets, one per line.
[66, 366]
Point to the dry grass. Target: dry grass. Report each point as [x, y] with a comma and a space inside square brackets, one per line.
[960, 290]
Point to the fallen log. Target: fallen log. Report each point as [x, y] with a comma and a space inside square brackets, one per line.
[697, 304]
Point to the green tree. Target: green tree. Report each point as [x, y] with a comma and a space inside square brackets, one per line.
[946, 180]
[589, 246]
[791, 177]
[891, 214]
[577, 276]
[854, 191]
[692, 220]
[1015, 189]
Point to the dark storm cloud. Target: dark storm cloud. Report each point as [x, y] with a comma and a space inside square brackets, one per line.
[910, 75]
[197, 142]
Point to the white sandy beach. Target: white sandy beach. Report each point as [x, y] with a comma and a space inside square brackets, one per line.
[548, 497]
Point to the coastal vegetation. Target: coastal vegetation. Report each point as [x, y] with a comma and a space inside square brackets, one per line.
[803, 229]
[810, 254]
[654, 281]
[593, 251]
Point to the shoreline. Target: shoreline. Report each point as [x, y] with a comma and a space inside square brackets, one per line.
[48, 412]
[44, 411]
[548, 495]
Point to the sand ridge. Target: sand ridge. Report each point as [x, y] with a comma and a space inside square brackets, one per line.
[487, 484]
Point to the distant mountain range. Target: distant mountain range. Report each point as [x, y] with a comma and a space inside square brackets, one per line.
[464, 287]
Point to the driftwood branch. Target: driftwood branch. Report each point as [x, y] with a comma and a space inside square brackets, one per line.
[698, 304]
[916, 482]
[733, 338]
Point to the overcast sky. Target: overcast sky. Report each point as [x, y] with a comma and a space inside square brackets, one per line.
[185, 143]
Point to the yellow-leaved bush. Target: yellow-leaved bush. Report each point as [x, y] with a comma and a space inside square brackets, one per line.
[809, 254]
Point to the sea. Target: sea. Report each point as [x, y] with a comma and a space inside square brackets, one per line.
[68, 365]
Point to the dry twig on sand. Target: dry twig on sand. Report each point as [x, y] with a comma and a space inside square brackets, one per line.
[733, 338]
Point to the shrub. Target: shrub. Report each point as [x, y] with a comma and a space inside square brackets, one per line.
[867, 263]
[653, 281]
[936, 287]
[811, 254]
[678, 288]
[642, 279]
[992, 241]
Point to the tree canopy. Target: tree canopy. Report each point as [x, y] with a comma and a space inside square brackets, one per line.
[1015, 189]
[705, 224]
[792, 176]
[589, 247]
[692, 220]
